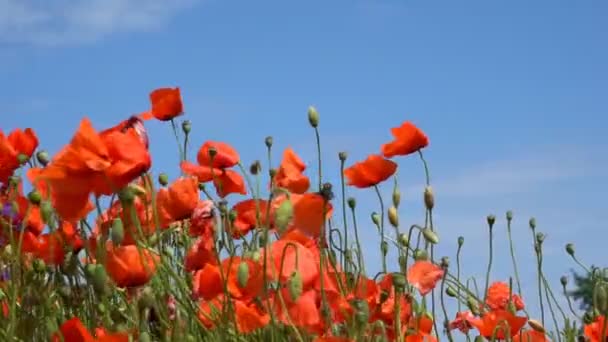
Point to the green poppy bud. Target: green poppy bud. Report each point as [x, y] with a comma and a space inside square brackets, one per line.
[429, 198]
[242, 274]
[118, 231]
[268, 141]
[186, 126]
[393, 217]
[430, 236]
[313, 116]
[352, 202]
[43, 157]
[34, 197]
[283, 215]
[163, 179]
[295, 285]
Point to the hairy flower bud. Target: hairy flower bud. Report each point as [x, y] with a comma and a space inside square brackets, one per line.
[460, 241]
[570, 249]
[34, 197]
[396, 196]
[399, 281]
[430, 236]
[283, 215]
[384, 247]
[313, 116]
[536, 325]
[403, 240]
[429, 198]
[421, 255]
[532, 223]
[376, 218]
[393, 217]
[295, 285]
[509, 215]
[451, 292]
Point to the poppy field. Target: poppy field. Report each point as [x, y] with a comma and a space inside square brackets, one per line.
[94, 247]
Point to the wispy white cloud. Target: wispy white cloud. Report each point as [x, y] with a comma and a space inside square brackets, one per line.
[520, 174]
[59, 22]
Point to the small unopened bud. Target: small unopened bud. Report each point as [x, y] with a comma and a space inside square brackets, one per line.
[283, 215]
[272, 173]
[540, 237]
[163, 179]
[13, 181]
[399, 280]
[532, 223]
[396, 196]
[420, 255]
[118, 231]
[39, 266]
[445, 262]
[342, 156]
[34, 197]
[295, 285]
[186, 127]
[22, 158]
[242, 274]
[473, 305]
[126, 195]
[429, 198]
[509, 215]
[352, 202]
[430, 236]
[144, 336]
[536, 325]
[403, 240]
[268, 141]
[588, 318]
[450, 291]
[43, 157]
[232, 215]
[602, 298]
[563, 280]
[460, 241]
[402, 262]
[255, 167]
[570, 249]
[491, 220]
[100, 278]
[89, 270]
[313, 116]
[376, 218]
[384, 247]
[393, 217]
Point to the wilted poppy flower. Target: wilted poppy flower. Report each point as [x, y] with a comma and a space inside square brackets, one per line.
[202, 221]
[166, 104]
[462, 321]
[18, 142]
[290, 173]
[407, 140]
[498, 297]
[134, 124]
[424, 276]
[499, 324]
[374, 170]
[178, 201]
[93, 163]
[128, 266]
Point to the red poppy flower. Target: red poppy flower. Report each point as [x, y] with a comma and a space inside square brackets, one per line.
[128, 266]
[407, 140]
[424, 276]
[178, 201]
[370, 172]
[290, 173]
[166, 104]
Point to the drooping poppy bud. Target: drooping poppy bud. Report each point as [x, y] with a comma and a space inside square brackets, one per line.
[352, 202]
[376, 218]
[295, 285]
[430, 235]
[283, 215]
[570, 248]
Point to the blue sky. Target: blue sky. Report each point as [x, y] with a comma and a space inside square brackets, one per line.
[511, 93]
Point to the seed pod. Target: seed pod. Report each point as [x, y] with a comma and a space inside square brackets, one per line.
[118, 231]
[509, 215]
[268, 141]
[429, 198]
[532, 223]
[570, 249]
[352, 203]
[460, 241]
[393, 217]
[445, 262]
[242, 274]
[342, 156]
[295, 285]
[313, 116]
[34, 197]
[563, 280]
[43, 157]
[255, 167]
[491, 220]
[430, 236]
[186, 127]
[163, 179]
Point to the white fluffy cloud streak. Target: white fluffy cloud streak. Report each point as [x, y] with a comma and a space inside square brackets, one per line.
[60, 22]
